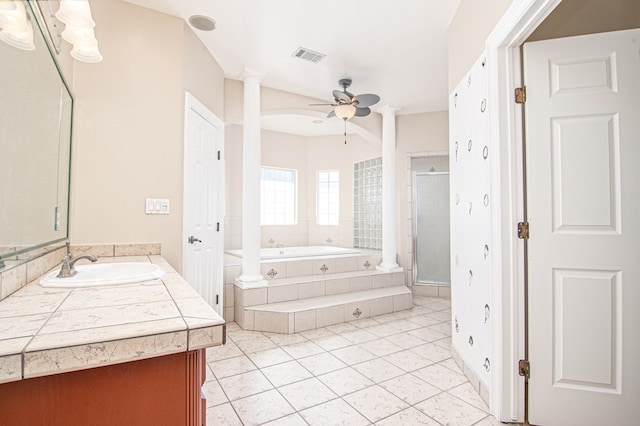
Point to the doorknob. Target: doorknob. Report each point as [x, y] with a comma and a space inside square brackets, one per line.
[193, 240]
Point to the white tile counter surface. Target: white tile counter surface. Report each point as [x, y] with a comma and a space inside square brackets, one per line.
[47, 331]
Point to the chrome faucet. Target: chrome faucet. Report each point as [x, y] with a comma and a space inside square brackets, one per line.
[280, 245]
[68, 270]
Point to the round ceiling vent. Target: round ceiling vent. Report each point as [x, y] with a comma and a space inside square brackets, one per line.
[202, 22]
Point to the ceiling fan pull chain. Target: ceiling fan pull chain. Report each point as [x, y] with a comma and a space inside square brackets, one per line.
[345, 131]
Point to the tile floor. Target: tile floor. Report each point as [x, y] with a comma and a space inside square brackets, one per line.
[392, 369]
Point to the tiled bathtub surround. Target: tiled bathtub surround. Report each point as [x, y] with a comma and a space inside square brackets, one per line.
[305, 293]
[53, 330]
[392, 369]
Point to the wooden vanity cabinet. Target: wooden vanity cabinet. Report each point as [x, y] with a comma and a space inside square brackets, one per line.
[158, 391]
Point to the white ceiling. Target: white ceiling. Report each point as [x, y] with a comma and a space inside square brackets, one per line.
[396, 49]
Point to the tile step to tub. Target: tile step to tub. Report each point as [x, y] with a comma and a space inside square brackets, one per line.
[334, 276]
[306, 314]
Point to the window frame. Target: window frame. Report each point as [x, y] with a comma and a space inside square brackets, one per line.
[329, 194]
[294, 214]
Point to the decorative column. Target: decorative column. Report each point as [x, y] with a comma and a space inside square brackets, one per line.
[389, 190]
[251, 276]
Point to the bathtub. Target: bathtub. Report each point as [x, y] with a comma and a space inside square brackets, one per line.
[290, 252]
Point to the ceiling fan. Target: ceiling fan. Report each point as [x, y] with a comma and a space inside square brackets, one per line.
[348, 105]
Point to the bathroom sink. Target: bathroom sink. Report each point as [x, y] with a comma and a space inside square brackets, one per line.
[101, 274]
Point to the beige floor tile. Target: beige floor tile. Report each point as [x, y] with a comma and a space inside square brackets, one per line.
[427, 334]
[223, 415]
[285, 339]
[440, 377]
[317, 333]
[285, 373]
[451, 365]
[410, 389]
[256, 344]
[408, 361]
[231, 366]
[380, 347]
[443, 327]
[432, 352]
[243, 385]
[359, 336]
[228, 350]
[303, 349]
[444, 343]
[345, 381]
[423, 320]
[321, 363]
[333, 413]
[291, 420]
[449, 410]
[375, 403]
[365, 322]
[329, 343]
[269, 357]
[489, 421]
[262, 408]
[405, 340]
[353, 355]
[466, 393]
[403, 325]
[341, 328]
[407, 417]
[378, 370]
[307, 393]
[382, 330]
[213, 393]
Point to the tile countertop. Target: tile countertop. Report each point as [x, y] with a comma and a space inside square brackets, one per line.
[45, 330]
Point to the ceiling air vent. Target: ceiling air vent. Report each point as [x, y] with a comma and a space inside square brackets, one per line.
[308, 55]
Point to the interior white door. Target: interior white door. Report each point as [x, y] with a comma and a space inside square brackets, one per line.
[203, 202]
[582, 117]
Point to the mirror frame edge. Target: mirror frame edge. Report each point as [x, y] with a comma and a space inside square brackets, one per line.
[44, 248]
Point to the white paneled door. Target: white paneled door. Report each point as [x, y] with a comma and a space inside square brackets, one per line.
[203, 203]
[582, 117]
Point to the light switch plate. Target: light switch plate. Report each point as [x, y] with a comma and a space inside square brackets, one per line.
[157, 206]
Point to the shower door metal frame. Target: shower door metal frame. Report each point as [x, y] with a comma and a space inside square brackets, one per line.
[414, 229]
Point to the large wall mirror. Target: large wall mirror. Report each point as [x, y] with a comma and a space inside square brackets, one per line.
[35, 138]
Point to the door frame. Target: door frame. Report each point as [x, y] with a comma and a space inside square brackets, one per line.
[191, 103]
[508, 333]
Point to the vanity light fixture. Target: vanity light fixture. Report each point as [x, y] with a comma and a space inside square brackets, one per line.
[16, 28]
[79, 24]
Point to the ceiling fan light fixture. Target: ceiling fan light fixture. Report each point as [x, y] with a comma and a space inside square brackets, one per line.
[345, 111]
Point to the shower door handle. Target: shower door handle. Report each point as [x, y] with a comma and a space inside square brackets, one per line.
[193, 240]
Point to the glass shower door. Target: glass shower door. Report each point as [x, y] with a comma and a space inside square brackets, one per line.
[432, 264]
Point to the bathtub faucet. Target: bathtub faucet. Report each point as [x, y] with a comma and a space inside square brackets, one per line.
[271, 242]
[68, 264]
[280, 245]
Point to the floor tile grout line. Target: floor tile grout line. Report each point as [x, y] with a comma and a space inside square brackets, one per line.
[445, 342]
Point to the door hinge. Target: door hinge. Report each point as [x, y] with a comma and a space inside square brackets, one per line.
[521, 95]
[523, 230]
[218, 155]
[217, 299]
[524, 368]
[218, 226]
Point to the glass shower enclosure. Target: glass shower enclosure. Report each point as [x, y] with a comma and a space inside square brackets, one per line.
[431, 232]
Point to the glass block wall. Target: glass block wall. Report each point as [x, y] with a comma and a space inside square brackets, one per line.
[367, 204]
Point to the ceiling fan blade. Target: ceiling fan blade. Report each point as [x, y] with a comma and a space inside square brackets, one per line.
[367, 100]
[341, 97]
[362, 112]
[331, 114]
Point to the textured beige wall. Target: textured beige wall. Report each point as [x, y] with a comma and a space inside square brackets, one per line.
[128, 126]
[579, 17]
[416, 134]
[473, 22]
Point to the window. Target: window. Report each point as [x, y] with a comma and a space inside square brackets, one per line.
[328, 198]
[279, 199]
